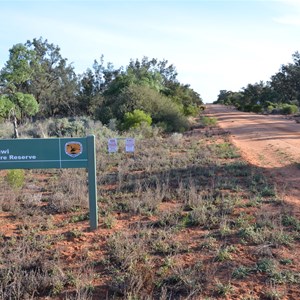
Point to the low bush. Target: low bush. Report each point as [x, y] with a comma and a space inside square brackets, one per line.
[15, 178]
[289, 109]
[270, 108]
[247, 108]
[135, 119]
[257, 108]
[208, 121]
[192, 110]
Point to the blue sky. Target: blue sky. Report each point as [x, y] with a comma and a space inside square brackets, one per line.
[214, 44]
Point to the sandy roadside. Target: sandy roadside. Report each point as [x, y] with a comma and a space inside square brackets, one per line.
[269, 142]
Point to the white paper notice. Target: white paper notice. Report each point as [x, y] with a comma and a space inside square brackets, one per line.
[129, 145]
[112, 145]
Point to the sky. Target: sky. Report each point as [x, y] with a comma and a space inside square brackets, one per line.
[214, 44]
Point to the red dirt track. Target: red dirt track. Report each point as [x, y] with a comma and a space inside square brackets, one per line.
[269, 142]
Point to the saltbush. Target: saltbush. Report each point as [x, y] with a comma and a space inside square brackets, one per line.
[72, 127]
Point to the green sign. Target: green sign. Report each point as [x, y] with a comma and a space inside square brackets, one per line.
[54, 153]
[43, 153]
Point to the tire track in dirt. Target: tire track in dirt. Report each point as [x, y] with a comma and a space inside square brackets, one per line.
[268, 142]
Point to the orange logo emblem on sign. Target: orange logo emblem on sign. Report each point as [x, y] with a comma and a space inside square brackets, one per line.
[73, 149]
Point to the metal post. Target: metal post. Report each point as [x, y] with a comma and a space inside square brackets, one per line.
[92, 181]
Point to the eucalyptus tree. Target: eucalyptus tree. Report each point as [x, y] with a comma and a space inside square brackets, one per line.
[286, 82]
[92, 84]
[18, 70]
[229, 98]
[16, 107]
[38, 68]
[54, 82]
[15, 104]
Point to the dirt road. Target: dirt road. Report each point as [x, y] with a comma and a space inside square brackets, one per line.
[269, 142]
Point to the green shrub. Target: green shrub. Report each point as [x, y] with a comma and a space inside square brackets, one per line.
[15, 178]
[289, 109]
[164, 111]
[247, 108]
[257, 108]
[68, 127]
[135, 119]
[191, 110]
[168, 115]
[208, 121]
[172, 121]
[270, 108]
[268, 103]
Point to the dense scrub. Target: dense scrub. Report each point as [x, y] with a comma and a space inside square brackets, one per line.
[37, 81]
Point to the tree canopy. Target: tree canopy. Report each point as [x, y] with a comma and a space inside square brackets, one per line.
[276, 95]
[102, 92]
[37, 68]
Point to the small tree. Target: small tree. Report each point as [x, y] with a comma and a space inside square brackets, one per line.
[16, 107]
[15, 104]
[6, 106]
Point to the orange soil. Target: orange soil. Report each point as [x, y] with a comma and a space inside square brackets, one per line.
[269, 142]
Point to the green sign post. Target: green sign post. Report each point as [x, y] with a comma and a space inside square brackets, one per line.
[54, 153]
